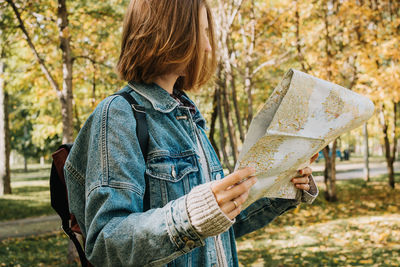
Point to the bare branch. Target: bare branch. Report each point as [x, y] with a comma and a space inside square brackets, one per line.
[270, 62]
[92, 60]
[232, 16]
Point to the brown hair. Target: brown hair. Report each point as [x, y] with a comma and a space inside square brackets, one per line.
[159, 36]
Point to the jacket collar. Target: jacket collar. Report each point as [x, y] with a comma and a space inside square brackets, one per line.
[158, 97]
[162, 101]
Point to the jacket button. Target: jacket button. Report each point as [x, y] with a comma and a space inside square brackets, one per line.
[218, 176]
[190, 244]
[173, 171]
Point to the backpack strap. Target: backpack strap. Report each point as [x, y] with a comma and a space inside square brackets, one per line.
[143, 135]
[59, 197]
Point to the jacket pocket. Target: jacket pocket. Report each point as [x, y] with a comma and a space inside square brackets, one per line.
[170, 176]
[170, 167]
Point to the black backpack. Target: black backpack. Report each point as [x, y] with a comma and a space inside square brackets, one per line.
[58, 189]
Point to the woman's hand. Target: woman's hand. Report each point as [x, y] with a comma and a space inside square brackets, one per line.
[302, 181]
[231, 192]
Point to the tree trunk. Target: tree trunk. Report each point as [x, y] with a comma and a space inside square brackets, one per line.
[25, 164]
[7, 180]
[330, 166]
[66, 96]
[389, 154]
[327, 170]
[386, 144]
[214, 116]
[26, 137]
[391, 173]
[222, 132]
[3, 139]
[228, 119]
[300, 55]
[366, 153]
[394, 147]
[249, 62]
[5, 185]
[248, 84]
[333, 196]
[94, 86]
[236, 108]
[78, 123]
[330, 172]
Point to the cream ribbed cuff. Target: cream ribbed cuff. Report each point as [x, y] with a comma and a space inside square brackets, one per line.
[204, 212]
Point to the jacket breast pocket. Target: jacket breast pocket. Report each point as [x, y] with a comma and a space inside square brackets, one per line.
[170, 175]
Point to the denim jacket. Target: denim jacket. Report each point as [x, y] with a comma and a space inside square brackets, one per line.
[105, 175]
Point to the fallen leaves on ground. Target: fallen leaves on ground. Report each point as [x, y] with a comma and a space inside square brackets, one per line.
[363, 228]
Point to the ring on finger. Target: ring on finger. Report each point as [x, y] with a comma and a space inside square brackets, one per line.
[235, 203]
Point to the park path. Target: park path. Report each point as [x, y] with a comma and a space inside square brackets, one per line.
[46, 224]
[355, 170]
[30, 226]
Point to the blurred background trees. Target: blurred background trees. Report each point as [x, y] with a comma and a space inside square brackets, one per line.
[57, 60]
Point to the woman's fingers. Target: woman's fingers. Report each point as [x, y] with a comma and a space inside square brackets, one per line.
[301, 180]
[305, 172]
[242, 198]
[232, 191]
[233, 179]
[305, 187]
[235, 208]
[232, 215]
[229, 206]
[235, 191]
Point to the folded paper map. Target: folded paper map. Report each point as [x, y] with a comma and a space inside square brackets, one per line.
[302, 116]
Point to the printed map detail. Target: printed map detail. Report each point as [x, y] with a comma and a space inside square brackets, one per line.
[301, 117]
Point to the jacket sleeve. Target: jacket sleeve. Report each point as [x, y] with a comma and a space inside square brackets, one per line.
[265, 210]
[118, 232]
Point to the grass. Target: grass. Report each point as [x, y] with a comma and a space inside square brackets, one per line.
[46, 250]
[34, 173]
[30, 195]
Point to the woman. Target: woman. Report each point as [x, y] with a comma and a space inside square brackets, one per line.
[194, 214]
